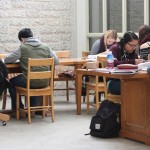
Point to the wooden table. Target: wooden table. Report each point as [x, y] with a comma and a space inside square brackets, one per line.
[135, 103]
[77, 62]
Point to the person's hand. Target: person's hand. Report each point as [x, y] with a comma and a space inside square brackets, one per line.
[137, 61]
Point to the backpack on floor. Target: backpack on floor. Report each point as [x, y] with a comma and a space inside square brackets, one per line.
[106, 123]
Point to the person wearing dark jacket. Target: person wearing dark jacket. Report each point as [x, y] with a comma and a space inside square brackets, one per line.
[144, 41]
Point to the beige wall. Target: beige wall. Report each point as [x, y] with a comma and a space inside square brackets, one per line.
[52, 21]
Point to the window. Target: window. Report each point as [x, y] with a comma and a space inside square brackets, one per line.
[121, 15]
[95, 16]
[114, 15]
[135, 14]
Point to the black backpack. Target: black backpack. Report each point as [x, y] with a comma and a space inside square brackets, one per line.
[3, 76]
[106, 123]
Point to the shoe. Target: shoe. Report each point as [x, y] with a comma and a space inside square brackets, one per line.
[21, 115]
[32, 114]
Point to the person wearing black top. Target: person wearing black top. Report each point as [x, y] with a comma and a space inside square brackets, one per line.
[124, 53]
[144, 41]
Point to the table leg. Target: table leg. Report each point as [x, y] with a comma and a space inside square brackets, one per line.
[78, 92]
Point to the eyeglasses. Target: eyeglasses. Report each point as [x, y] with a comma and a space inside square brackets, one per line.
[133, 46]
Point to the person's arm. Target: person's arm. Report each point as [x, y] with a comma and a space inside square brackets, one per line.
[116, 53]
[95, 47]
[53, 54]
[12, 57]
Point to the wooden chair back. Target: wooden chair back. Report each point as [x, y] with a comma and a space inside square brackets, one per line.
[60, 68]
[48, 63]
[48, 74]
[2, 56]
[63, 54]
[85, 54]
[108, 95]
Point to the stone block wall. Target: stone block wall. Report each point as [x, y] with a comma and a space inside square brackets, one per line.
[52, 21]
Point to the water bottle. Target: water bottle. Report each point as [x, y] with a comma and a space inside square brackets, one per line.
[110, 60]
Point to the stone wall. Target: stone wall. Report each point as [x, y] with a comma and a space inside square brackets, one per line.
[52, 21]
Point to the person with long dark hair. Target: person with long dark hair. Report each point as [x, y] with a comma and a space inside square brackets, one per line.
[124, 53]
[144, 41]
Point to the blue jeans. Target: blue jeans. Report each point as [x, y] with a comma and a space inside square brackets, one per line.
[19, 81]
[114, 86]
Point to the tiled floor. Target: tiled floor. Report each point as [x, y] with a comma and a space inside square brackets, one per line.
[66, 133]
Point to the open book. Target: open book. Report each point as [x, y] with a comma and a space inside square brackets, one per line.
[124, 71]
[115, 70]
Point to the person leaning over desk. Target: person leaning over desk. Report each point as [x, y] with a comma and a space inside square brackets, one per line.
[124, 53]
[30, 48]
[100, 46]
[144, 41]
[106, 40]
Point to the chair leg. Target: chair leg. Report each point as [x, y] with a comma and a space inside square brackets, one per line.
[28, 110]
[84, 99]
[52, 107]
[4, 99]
[44, 103]
[17, 106]
[87, 95]
[67, 88]
[97, 100]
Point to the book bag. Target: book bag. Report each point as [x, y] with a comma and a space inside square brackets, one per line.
[3, 76]
[106, 123]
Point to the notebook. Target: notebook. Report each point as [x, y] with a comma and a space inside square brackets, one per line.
[124, 71]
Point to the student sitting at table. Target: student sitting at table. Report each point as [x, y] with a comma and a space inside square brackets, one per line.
[106, 40]
[30, 48]
[100, 46]
[124, 53]
[144, 41]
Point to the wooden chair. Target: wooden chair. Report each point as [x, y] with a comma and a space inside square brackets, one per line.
[2, 56]
[94, 86]
[108, 95]
[46, 93]
[59, 68]
[85, 54]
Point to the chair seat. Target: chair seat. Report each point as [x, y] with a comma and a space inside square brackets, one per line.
[33, 92]
[56, 78]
